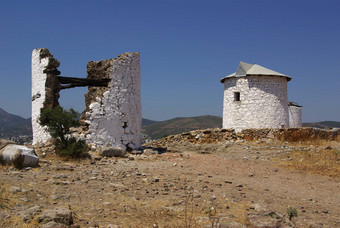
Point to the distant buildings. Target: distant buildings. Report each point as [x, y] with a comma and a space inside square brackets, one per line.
[257, 97]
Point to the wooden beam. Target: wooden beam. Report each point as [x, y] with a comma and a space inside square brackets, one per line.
[71, 82]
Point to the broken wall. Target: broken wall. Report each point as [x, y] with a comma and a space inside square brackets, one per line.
[295, 115]
[45, 92]
[113, 114]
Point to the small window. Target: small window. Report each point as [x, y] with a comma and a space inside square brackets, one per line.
[236, 96]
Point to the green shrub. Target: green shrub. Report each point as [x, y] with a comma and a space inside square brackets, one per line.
[58, 123]
[72, 148]
[291, 212]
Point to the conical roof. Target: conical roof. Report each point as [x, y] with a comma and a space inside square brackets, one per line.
[246, 69]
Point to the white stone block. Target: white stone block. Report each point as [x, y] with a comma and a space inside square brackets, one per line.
[19, 155]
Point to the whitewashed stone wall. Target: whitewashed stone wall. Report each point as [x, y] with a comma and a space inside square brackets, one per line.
[263, 102]
[295, 116]
[114, 118]
[39, 63]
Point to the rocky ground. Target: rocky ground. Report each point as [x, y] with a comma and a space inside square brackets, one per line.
[221, 184]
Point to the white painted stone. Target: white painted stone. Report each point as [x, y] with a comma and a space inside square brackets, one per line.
[38, 95]
[295, 116]
[19, 154]
[116, 116]
[263, 102]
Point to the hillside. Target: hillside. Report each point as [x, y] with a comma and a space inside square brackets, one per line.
[181, 124]
[15, 127]
[10, 120]
[323, 124]
[147, 122]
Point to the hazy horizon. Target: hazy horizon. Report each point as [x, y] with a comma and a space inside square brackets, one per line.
[178, 117]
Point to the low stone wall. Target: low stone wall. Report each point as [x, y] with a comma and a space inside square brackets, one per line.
[220, 135]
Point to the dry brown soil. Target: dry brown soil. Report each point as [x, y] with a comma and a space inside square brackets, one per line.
[174, 189]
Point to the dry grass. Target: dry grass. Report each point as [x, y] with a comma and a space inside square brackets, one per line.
[8, 201]
[316, 159]
[239, 210]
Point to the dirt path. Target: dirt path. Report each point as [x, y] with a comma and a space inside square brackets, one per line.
[153, 190]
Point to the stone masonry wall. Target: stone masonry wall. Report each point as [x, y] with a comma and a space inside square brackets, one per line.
[263, 102]
[45, 94]
[113, 114]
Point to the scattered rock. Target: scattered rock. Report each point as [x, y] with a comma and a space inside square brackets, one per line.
[52, 224]
[14, 189]
[231, 225]
[155, 179]
[113, 226]
[268, 219]
[150, 151]
[112, 152]
[136, 152]
[59, 215]
[28, 214]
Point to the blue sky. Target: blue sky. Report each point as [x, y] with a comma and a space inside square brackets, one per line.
[186, 47]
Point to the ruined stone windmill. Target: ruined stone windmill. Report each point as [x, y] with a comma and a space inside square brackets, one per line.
[112, 112]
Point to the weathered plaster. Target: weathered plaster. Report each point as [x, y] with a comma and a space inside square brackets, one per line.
[113, 114]
[44, 91]
[295, 116]
[263, 102]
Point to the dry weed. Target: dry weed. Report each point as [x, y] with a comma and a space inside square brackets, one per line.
[324, 161]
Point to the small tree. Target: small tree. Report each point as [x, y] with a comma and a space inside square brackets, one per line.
[58, 123]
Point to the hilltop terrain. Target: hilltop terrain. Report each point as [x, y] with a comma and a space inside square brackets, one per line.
[195, 179]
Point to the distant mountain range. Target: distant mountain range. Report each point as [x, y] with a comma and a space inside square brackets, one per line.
[323, 124]
[179, 125]
[14, 127]
[17, 128]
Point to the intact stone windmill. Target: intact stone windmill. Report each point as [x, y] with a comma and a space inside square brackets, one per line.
[257, 97]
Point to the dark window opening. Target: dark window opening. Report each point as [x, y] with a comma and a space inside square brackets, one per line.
[236, 96]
